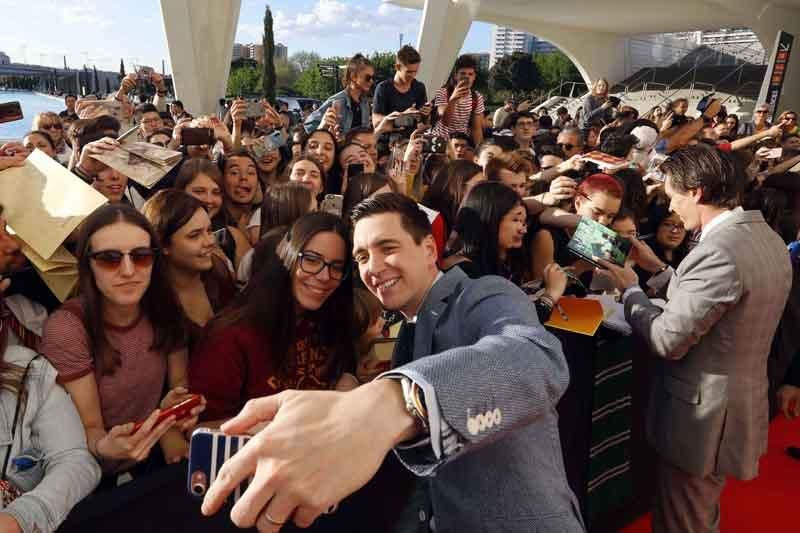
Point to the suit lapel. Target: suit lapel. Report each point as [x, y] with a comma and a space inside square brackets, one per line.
[432, 310]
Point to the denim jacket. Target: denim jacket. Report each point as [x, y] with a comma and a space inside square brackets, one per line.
[48, 462]
[345, 110]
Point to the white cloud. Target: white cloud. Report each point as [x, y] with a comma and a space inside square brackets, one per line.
[83, 12]
[334, 18]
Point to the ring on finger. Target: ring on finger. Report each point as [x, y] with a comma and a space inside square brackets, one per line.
[271, 520]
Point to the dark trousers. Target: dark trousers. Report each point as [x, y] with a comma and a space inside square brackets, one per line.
[686, 503]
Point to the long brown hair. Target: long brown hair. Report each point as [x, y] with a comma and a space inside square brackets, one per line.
[448, 189]
[159, 303]
[191, 168]
[283, 204]
[268, 302]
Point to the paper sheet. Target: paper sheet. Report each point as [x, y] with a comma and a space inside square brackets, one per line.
[581, 315]
[136, 161]
[60, 272]
[613, 313]
[44, 202]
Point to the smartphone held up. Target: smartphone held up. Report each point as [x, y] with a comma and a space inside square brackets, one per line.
[10, 112]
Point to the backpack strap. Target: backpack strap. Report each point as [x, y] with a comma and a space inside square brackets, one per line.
[19, 407]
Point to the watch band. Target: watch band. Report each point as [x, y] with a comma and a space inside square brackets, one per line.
[415, 406]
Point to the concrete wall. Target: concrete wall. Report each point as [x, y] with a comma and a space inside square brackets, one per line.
[200, 39]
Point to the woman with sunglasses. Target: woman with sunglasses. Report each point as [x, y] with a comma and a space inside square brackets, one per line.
[291, 328]
[202, 179]
[349, 108]
[51, 123]
[121, 344]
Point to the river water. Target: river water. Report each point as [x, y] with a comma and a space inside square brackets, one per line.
[32, 104]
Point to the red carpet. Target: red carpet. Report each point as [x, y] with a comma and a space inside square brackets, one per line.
[769, 503]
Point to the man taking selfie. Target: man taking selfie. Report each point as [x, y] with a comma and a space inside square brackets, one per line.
[469, 407]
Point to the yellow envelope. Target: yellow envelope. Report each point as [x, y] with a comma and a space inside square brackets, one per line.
[580, 315]
[60, 272]
[44, 202]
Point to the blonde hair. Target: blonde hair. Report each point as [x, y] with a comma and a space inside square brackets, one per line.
[596, 83]
[44, 115]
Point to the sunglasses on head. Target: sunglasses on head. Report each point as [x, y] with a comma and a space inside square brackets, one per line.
[112, 259]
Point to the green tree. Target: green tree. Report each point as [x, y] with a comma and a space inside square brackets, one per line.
[384, 65]
[500, 74]
[268, 78]
[305, 60]
[311, 83]
[245, 81]
[525, 74]
[556, 67]
[286, 74]
[121, 67]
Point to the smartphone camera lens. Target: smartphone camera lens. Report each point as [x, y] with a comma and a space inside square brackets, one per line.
[199, 483]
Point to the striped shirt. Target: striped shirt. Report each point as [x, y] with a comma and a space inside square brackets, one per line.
[464, 109]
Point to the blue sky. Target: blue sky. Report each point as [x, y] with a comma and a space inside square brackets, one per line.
[100, 32]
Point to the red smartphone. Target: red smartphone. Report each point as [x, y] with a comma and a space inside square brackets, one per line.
[10, 111]
[179, 411]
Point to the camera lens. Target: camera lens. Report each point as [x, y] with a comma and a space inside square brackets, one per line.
[199, 483]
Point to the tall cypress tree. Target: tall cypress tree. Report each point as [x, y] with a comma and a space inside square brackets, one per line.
[121, 68]
[268, 41]
[96, 79]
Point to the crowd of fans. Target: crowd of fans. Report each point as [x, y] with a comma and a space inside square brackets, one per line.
[233, 277]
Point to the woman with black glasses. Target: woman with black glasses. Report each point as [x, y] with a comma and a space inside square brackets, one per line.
[291, 328]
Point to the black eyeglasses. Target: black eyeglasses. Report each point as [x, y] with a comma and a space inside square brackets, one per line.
[566, 146]
[112, 259]
[312, 263]
[55, 125]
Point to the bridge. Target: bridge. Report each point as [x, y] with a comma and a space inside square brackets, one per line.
[57, 80]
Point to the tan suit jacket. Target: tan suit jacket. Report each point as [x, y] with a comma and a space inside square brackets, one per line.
[708, 410]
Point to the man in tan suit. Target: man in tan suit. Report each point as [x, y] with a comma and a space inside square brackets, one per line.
[708, 410]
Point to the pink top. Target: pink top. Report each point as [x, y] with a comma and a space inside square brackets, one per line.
[135, 388]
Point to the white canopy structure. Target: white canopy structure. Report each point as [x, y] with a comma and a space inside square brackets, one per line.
[593, 34]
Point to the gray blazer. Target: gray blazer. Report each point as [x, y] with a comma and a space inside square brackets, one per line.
[492, 376]
[708, 409]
